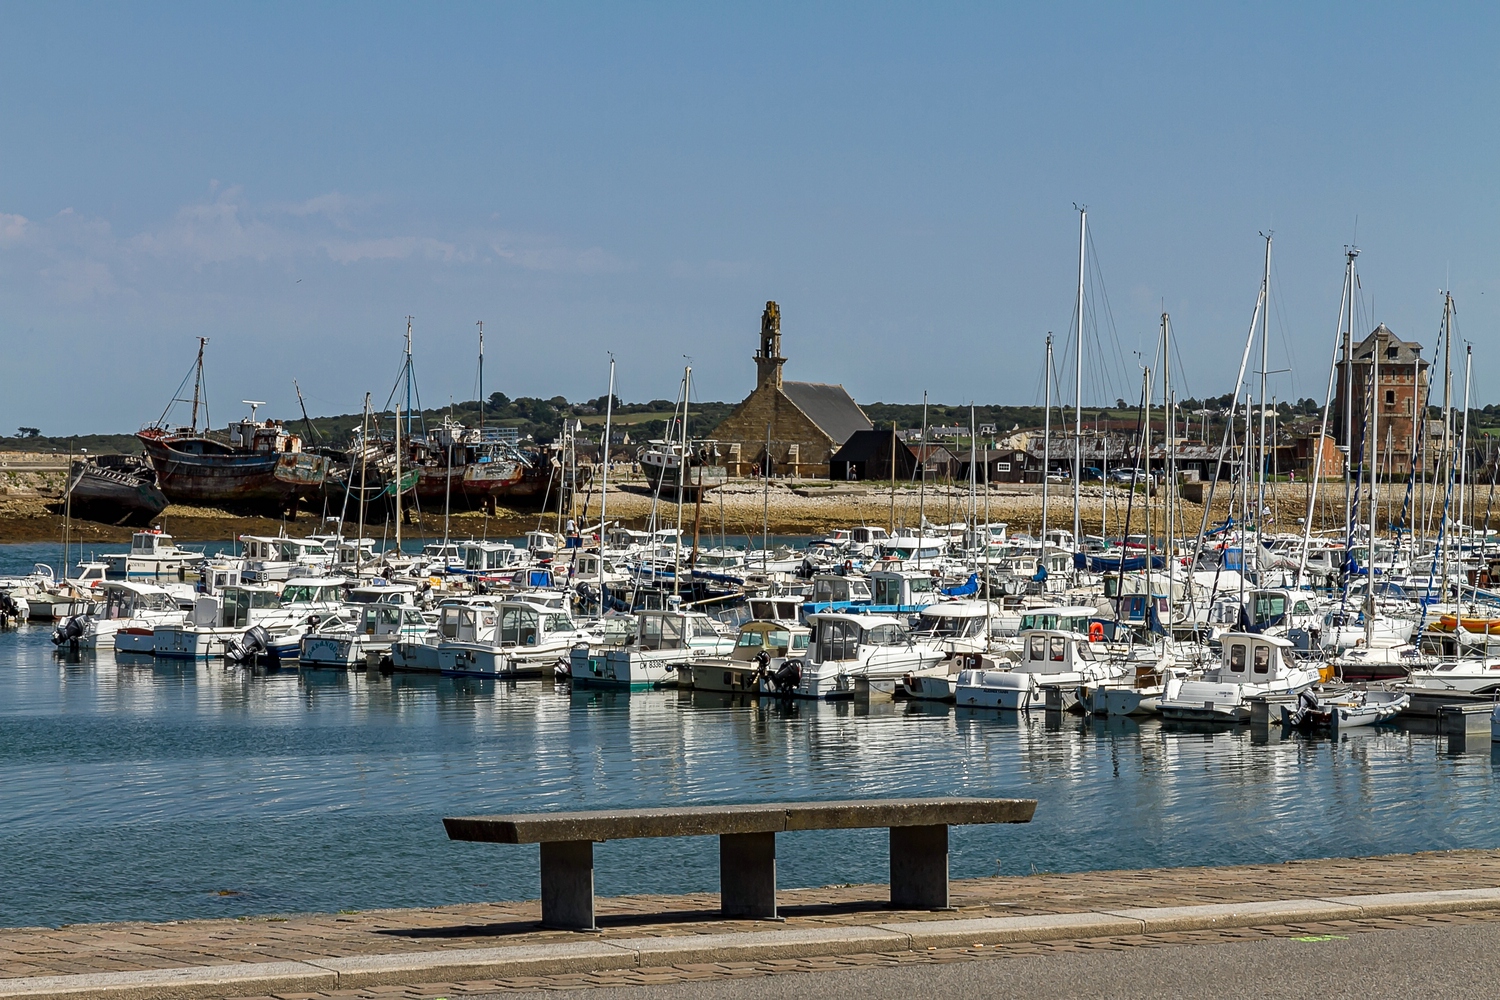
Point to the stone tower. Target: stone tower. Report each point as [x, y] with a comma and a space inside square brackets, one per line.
[768, 359]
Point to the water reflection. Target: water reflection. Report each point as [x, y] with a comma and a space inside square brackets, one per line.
[133, 787]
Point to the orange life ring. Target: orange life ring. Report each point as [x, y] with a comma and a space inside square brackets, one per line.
[1096, 631]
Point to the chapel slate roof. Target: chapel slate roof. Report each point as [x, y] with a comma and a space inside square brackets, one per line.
[828, 406]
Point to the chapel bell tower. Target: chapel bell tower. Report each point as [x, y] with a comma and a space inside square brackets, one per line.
[768, 359]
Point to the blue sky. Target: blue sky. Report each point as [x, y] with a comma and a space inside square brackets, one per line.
[293, 180]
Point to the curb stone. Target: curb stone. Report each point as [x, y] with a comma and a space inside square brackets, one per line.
[248, 979]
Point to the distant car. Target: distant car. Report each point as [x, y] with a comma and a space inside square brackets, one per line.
[1093, 472]
[1124, 475]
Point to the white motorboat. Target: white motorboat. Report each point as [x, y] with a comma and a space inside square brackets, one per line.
[124, 618]
[510, 638]
[1251, 665]
[154, 556]
[1344, 709]
[218, 620]
[371, 628]
[1469, 675]
[1049, 657]
[866, 654]
[759, 653]
[664, 640]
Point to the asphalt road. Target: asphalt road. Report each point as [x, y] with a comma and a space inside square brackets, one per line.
[1454, 963]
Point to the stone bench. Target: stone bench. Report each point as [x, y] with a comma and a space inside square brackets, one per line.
[747, 845]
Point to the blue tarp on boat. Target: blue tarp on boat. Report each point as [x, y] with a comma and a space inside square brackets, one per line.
[1112, 564]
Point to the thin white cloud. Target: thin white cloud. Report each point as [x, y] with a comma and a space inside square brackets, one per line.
[80, 257]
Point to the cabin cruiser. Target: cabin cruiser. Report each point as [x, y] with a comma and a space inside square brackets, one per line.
[864, 654]
[125, 617]
[154, 556]
[418, 654]
[270, 559]
[664, 640]
[1469, 675]
[511, 638]
[483, 559]
[218, 620]
[346, 640]
[759, 653]
[960, 630]
[1250, 665]
[1049, 658]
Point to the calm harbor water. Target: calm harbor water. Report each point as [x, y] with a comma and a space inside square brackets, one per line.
[162, 790]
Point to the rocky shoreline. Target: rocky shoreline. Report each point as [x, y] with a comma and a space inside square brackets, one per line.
[29, 511]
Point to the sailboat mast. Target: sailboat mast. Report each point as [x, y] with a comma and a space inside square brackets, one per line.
[609, 412]
[682, 458]
[397, 485]
[1374, 435]
[364, 460]
[1083, 225]
[922, 485]
[480, 324]
[1265, 321]
[1166, 401]
[1046, 437]
[1463, 448]
[197, 391]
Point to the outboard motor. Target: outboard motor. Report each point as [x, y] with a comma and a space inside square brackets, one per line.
[787, 677]
[68, 631]
[255, 640]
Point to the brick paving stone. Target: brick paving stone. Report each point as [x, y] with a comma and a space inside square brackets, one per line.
[124, 946]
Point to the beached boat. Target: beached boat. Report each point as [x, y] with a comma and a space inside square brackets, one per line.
[115, 489]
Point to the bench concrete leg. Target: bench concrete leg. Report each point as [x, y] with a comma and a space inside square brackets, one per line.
[747, 875]
[568, 885]
[919, 867]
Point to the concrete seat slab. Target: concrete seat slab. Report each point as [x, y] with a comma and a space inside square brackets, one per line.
[690, 821]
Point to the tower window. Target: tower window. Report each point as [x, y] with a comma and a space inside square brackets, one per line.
[1390, 397]
[1392, 351]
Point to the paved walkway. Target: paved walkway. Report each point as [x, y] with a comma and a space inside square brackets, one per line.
[676, 923]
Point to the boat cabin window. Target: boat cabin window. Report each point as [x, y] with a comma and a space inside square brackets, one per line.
[448, 624]
[1262, 659]
[830, 590]
[1037, 648]
[1059, 649]
[1302, 608]
[888, 590]
[1237, 658]
[387, 618]
[838, 640]
[518, 626]
[799, 642]
[885, 635]
[559, 623]
[704, 630]
[1268, 606]
[921, 584]
[750, 640]
[662, 632]
[413, 619]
